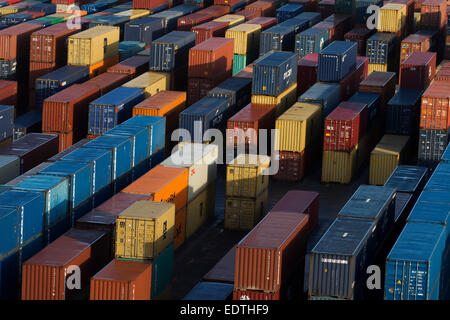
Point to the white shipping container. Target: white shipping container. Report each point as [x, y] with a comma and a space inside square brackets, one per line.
[200, 160]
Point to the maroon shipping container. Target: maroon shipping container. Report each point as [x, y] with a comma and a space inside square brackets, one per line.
[264, 22]
[227, 2]
[335, 31]
[216, 11]
[255, 295]
[33, 14]
[108, 81]
[194, 19]
[418, 70]
[38, 69]
[45, 275]
[223, 271]
[341, 130]
[49, 44]
[414, 43]
[300, 201]
[250, 117]
[65, 139]
[360, 36]
[8, 92]
[307, 68]
[211, 58]
[272, 254]
[15, 40]
[122, 280]
[198, 88]
[292, 165]
[444, 73]
[326, 8]
[435, 106]
[362, 109]
[418, 5]
[248, 14]
[380, 82]
[74, 146]
[148, 4]
[310, 5]
[433, 14]
[208, 30]
[264, 8]
[68, 110]
[135, 66]
[362, 68]
[32, 149]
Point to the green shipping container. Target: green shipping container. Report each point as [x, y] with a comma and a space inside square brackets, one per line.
[53, 20]
[239, 62]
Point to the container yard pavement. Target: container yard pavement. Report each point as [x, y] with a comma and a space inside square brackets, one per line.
[211, 242]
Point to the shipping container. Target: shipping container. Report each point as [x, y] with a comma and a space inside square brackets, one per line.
[209, 30]
[186, 23]
[249, 14]
[6, 121]
[9, 168]
[382, 83]
[144, 230]
[280, 102]
[112, 109]
[171, 51]
[223, 271]
[242, 213]
[170, 18]
[439, 180]
[32, 172]
[15, 40]
[402, 112]
[380, 48]
[361, 9]
[307, 67]
[246, 39]
[264, 8]
[277, 38]
[199, 210]
[431, 207]
[246, 73]
[45, 275]
[339, 166]
[8, 92]
[264, 22]
[288, 11]
[373, 105]
[325, 94]
[392, 18]
[75, 146]
[433, 14]
[434, 111]
[446, 156]
[210, 291]
[360, 36]
[310, 41]
[280, 242]
[127, 49]
[231, 19]
[338, 262]
[335, 30]
[432, 144]
[292, 165]
[134, 66]
[337, 60]
[108, 81]
[418, 70]
[414, 43]
[391, 151]
[144, 29]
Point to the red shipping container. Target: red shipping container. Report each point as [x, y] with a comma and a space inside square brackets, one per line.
[8, 92]
[418, 70]
[335, 31]
[199, 87]
[250, 117]
[255, 295]
[135, 66]
[44, 276]
[108, 81]
[208, 30]
[122, 280]
[248, 14]
[15, 40]
[326, 8]
[191, 20]
[300, 201]
[435, 106]
[433, 14]
[49, 44]
[78, 2]
[264, 22]
[307, 68]
[216, 11]
[292, 165]
[33, 14]
[38, 69]
[264, 8]
[148, 4]
[272, 253]
[414, 43]
[360, 36]
[211, 58]
[65, 139]
[223, 271]
[341, 129]
[444, 73]
[68, 110]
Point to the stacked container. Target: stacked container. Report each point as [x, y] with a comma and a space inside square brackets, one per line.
[209, 63]
[246, 44]
[246, 192]
[312, 40]
[208, 30]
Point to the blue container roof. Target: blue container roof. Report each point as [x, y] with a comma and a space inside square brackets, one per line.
[291, 7]
[128, 130]
[313, 32]
[177, 37]
[16, 198]
[367, 97]
[144, 20]
[430, 212]
[63, 72]
[446, 154]
[205, 105]
[406, 97]
[210, 291]
[143, 121]
[86, 154]
[279, 29]
[119, 96]
[338, 47]
[417, 242]
[295, 22]
[319, 90]
[39, 182]
[275, 58]
[64, 167]
[107, 142]
[406, 178]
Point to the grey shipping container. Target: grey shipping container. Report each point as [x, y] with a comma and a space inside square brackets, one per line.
[408, 179]
[9, 168]
[312, 17]
[337, 60]
[328, 95]
[6, 122]
[144, 29]
[237, 90]
[278, 38]
[309, 41]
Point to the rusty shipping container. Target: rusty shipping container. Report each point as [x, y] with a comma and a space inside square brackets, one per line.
[414, 43]
[44, 276]
[418, 70]
[208, 30]
[194, 19]
[134, 66]
[434, 110]
[15, 40]
[272, 254]
[108, 81]
[292, 165]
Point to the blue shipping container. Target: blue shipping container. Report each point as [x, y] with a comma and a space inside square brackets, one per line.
[210, 291]
[337, 60]
[47, 8]
[361, 9]
[112, 109]
[298, 24]
[278, 38]
[169, 19]
[15, 18]
[6, 122]
[440, 179]
[432, 208]
[413, 267]
[156, 127]
[274, 73]
[379, 47]
[373, 101]
[121, 150]
[446, 155]
[288, 11]
[432, 144]
[312, 17]
[328, 95]
[139, 139]
[309, 41]
[237, 90]
[144, 29]
[127, 49]
[409, 179]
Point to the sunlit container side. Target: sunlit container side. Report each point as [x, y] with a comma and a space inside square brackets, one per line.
[382, 83]
[274, 73]
[310, 41]
[231, 19]
[199, 210]
[414, 43]
[402, 112]
[326, 94]
[15, 40]
[242, 213]
[417, 255]
[144, 230]
[281, 102]
[338, 262]
[246, 38]
[150, 83]
[339, 166]
[434, 110]
[56, 192]
[281, 251]
[210, 291]
[112, 109]
[392, 18]
[45, 275]
[433, 14]
[387, 155]
[108, 81]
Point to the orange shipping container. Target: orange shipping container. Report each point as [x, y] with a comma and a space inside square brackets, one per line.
[102, 66]
[65, 139]
[179, 234]
[164, 184]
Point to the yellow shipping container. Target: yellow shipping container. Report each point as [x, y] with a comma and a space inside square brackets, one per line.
[281, 102]
[144, 230]
[93, 45]
[151, 82]
[244, 178]
[386, 156]
[376, 67]
[244, 213]
[392, 17]
[199, 210]
[133, 13]
[416, 21]
[10, 10]
[298, 127]
[339, 166]
[232, 19]
[246, 37]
